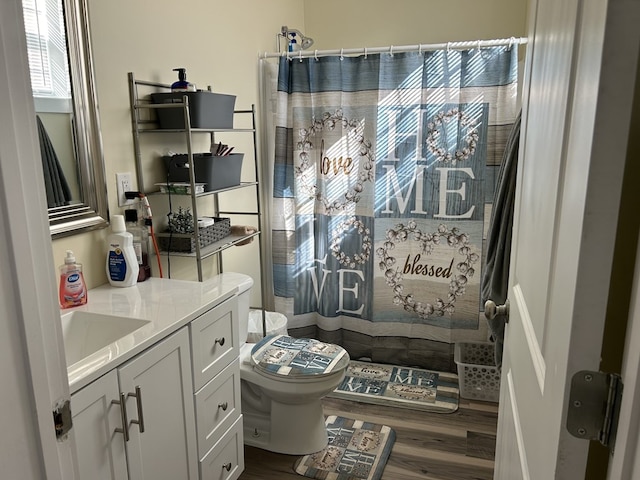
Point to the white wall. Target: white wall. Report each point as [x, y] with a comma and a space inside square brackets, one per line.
[219, 41]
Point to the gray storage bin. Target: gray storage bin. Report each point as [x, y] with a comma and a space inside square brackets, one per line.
[215, 171]
[206, 110]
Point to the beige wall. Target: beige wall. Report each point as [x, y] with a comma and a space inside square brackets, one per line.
[219, 41]
[378, 23]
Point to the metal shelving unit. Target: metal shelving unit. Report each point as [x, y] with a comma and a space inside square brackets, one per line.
[149, 126]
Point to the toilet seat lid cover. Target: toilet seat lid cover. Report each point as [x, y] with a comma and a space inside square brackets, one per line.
[297, 357]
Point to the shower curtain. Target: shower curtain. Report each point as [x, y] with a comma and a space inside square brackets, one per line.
[383, 177]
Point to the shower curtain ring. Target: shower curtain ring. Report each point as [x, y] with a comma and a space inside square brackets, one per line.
[420, 49]
[316, 55]
[391, 50]
[341, 54]
[448, 47]
[512, 40]
[365, 52]
[478, 45]
[300, 56]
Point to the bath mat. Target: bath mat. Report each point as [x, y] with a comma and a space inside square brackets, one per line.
[356, 450]
[396, 386]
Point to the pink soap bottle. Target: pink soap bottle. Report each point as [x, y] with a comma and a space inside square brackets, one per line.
[73, 290]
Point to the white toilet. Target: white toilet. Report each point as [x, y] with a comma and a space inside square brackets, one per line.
[282, 382]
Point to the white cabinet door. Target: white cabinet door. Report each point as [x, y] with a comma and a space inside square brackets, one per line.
[163, 442]
[101, 451]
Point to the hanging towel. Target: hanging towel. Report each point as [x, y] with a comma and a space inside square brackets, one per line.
[55, 183]
[495, 280]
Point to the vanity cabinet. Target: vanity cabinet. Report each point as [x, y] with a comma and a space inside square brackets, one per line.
[216, 377]
[182, 408]
[159, 417]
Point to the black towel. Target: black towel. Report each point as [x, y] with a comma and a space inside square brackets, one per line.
[55, 183]
[495, 280]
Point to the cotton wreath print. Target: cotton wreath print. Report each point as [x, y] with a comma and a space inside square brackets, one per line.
[443, 236]
[305, 172]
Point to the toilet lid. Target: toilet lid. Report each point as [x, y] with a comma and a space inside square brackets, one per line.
[298, 357]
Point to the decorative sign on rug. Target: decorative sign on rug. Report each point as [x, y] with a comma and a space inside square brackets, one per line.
[356, 450]
[399, 386]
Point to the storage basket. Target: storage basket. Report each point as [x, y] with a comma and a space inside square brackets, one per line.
[479, 378]
[215, 171]
[207, 235]
[206, 110]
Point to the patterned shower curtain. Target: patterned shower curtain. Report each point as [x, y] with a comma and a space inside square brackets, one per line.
[384, 174]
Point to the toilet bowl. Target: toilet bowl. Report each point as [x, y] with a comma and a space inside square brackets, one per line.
[282, 382]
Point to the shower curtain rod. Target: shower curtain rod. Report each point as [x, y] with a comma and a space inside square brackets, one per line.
[397, 49]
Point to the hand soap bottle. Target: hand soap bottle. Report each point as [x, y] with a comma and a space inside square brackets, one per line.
[182, 85]
[122, 264]
[73, 290]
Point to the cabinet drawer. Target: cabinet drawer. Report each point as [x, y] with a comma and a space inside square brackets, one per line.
[217, 407]
[225, 461]
[214, 341]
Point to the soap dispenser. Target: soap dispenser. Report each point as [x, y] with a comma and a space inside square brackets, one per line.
[182, 85]
[73, 290]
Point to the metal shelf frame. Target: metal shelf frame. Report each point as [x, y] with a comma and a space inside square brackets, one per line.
[144, 127]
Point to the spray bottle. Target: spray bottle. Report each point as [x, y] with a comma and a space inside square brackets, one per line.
[140, 242]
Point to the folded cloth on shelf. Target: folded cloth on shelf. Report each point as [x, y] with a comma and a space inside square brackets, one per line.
[243, 230]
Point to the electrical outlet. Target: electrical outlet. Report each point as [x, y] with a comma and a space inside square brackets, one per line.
[124, 184]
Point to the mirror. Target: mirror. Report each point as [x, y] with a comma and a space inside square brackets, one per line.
[68, 124]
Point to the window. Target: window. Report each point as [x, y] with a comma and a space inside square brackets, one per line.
[47, 52]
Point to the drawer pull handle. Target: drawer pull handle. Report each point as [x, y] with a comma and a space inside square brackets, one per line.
[223, 406]
[220, 341]
[227, 466]
[138, 397]
[123, 416]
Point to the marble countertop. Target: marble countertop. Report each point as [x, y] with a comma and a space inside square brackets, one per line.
[167, 304]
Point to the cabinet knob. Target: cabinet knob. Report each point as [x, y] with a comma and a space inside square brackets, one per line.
[220, 341]
[227, 466]
[223, 406]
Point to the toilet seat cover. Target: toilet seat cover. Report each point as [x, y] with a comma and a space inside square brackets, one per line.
[297, 357]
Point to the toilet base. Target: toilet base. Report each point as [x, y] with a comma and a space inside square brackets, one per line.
[290, 429]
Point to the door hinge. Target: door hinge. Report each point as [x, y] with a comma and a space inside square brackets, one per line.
[594, 406]
[62, 419]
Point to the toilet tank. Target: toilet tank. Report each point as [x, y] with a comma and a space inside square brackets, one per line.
[244, 302]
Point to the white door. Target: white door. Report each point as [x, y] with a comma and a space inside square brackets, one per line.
[579, 82]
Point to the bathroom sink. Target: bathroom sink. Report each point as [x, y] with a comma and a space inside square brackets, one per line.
[85, 333]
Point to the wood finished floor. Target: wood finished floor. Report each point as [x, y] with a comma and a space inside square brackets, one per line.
[428, 446]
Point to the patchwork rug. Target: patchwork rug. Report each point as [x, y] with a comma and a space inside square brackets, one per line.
[395, 386]
[356, 450]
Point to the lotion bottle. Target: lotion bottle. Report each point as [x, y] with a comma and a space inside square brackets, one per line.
[73, 290]
[122, 264]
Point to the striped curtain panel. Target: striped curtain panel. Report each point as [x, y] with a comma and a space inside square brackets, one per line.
[384, 176]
